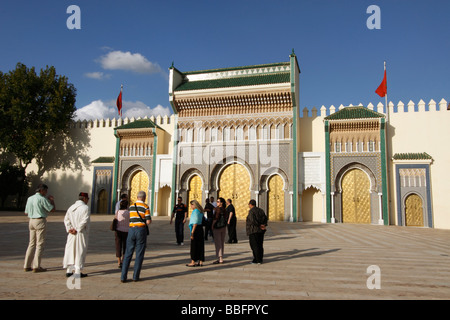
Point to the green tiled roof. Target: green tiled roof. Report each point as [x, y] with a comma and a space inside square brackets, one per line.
[412, 156]
[354, 113]
[139, 124]
[236, 81]
[104, 160]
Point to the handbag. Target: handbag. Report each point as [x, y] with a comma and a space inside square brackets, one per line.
[113, 226]
[221, 222]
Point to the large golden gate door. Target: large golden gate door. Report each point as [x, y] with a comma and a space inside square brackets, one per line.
[414, 211]
[276, 198]
[355, 197]
[139, 182]
[102, 204]
[195, 191]
[234, 184]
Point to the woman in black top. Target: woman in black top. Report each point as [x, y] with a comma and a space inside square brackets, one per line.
[219, 229]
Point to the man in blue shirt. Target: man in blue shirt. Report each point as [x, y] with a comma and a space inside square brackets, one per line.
[37, 209]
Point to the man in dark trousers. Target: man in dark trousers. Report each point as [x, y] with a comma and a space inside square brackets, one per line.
[232, 237]
[180, 212]
[209, 209]
[256, 228]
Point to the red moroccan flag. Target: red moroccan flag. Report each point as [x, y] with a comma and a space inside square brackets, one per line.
[119, 102]
[382, 89]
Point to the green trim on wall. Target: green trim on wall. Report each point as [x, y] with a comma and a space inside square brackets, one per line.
[384, 172]
[295, 163]
[328, 170]
[155, 147]
[174, 162]
[174, 155]
[116, 171]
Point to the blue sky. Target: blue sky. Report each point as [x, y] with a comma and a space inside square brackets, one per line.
[134, 43]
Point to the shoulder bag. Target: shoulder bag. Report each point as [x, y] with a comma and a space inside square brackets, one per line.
[221, 222]
[142, 220]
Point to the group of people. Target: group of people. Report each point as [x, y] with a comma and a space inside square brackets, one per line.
[223, 215]
[180, 213]
[132, 228]
[76, 221]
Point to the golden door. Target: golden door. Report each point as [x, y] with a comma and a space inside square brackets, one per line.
[414, 211]
[195, 191]
[234, 184]
[102, 203]
[276, 198]
[355, 197]
[139, 182]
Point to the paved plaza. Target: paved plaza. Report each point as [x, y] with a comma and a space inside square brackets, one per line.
[302, 261]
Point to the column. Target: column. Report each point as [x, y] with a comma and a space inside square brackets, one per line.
[300, 215]
[380, 205]
[324, 211]
[291, 206]
[156, 204]
[333, 220]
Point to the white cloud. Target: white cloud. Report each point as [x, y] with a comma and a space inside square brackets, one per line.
[108, 110]
[96, 110]
[97, 75]
[135, 62]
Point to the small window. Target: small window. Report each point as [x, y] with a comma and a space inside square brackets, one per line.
[227, 134]
[190, 134]
[213, 134]
[359, 146]
[252, 133]
[348, 147]
[240, 133]
[337, 147]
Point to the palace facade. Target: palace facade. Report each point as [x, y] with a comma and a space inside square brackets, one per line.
[240, 133]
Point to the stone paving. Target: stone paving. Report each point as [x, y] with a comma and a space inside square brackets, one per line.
[302, 261]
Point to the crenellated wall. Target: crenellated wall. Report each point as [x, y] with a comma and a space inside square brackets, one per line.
[99, 142]
[412, 128]
[410, 107]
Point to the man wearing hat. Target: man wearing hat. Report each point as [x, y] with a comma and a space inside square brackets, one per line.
[77, 221]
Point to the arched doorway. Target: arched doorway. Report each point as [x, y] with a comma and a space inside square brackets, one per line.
[139, 182]
[414, 210]
[164, 201]
[312, 204]
[276, 198]
[102, 202]
[356, 197]
[234, 184]
[195, 191]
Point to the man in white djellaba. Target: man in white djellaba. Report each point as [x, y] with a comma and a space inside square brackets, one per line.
[77, 221]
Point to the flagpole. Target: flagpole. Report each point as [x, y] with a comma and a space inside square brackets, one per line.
[121, 89]
[386, 99]
[381, 221]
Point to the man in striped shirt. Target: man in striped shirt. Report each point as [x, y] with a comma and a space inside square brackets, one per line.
[137, 236]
